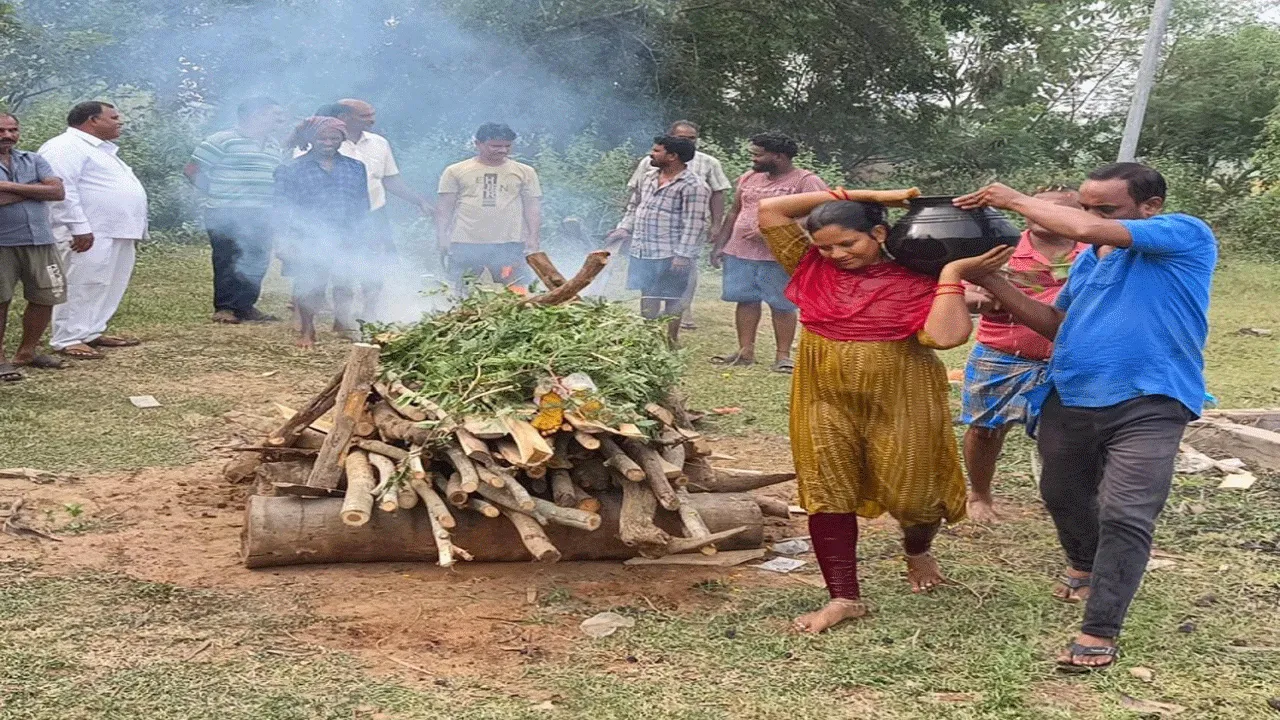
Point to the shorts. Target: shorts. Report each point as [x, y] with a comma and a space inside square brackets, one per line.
[38, 268]
[656, 279]
[756, 281]
[504, 261]
[995, 387]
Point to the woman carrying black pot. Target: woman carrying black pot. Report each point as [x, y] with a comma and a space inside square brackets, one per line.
[870, 426]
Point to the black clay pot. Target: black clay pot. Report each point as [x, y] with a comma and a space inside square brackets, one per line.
[934, 232]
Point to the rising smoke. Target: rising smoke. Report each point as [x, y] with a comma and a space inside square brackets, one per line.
[432, 80]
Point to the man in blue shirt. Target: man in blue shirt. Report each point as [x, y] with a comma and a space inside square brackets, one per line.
[1126, 376]
[27, 250]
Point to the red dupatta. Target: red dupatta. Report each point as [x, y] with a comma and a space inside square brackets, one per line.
[877, 303]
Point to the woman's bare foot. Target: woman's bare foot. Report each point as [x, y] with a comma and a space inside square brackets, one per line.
[835, 612]
[982, 510]
[307, 341]
[1076, 590]
[923, 572]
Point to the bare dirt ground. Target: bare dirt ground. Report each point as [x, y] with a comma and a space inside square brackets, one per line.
[182, 526]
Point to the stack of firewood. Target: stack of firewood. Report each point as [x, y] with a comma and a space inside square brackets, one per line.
[389, 451]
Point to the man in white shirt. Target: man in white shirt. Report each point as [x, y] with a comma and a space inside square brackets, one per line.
[384, 178]
[96, 226]
[712, 173]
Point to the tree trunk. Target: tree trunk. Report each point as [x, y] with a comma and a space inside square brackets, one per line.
[353, 394]
[291, 531]
[618, 460]
[533, 537]
[651, 462]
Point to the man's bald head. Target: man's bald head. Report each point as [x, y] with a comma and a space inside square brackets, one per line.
[360, 116]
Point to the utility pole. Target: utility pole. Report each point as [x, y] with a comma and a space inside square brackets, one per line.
[1146, 79]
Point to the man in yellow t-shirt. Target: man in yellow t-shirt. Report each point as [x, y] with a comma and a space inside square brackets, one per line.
[489, 212]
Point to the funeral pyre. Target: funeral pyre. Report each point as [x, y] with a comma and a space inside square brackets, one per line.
[507, 427]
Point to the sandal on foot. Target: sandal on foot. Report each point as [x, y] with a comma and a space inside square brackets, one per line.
[1072, 584]
[9, 373]
[114, 341]
[43, 362]
[732, 359]
[81, 352]
[785, 367]
[1088, 651]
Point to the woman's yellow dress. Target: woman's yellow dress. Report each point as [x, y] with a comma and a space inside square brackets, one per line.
[870, 424]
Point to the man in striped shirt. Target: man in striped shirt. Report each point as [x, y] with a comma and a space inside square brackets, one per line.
[235, 169]
[666, 227]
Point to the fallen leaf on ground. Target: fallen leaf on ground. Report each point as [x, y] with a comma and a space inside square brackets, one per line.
[727, 410]
[1159, 564]
[1146, 675]
[604, 624]
[1163, 709]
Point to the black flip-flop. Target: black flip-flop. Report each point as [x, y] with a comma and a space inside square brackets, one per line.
[112, 341]
[732, 359]
[10, 374]
[44, 362]
[1077, 650]
[1073, 584]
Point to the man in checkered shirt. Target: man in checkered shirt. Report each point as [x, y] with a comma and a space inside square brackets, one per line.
[666, 224]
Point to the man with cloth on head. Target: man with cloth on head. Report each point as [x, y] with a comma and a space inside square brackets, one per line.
[97, 226]
[27, 252]
[235, 169]
[751, 274]
[1125, 378]
[666, 228]
[380, 165]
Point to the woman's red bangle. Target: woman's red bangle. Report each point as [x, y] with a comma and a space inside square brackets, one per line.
[833, 194]
[951, 285]
[948, 291]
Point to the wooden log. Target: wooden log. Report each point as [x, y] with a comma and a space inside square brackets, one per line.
[651, 462]
[694, 527]
[585, 501]
[357, 504]
[310, 438]
[567, 516]
[406, 498]
[483, 507]
[389, 499]
[452, 489]
[489, 428]
[732, 479]
[675, 455]
[773, 507]
[493, 476]
[661, 414]
[636, 527]
[536, 473]
[545, 270]
[381, 448]
[397, 399]
[1258, 447]
[586, 440]
[562, 489]
[365, 427]
[288, 531]
[353, 393]
[394, 427]
[502, 497]
[287, 434]
[241, 468]
[385, 467]
[538, 485]
[534, 449]
[416, 468]
[672, 471]
[533, 538]
[435, 506]
[618, 460]
[591, 473]
[468, 476]
[519, 493]
[474, 447]
[509, 452]
[594, 263]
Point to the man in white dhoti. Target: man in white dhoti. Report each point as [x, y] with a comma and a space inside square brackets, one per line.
[97, 227]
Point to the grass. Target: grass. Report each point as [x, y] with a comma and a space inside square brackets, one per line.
[92, 645]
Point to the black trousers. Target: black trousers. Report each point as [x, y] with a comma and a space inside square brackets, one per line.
[241, 240]
[1107, 473]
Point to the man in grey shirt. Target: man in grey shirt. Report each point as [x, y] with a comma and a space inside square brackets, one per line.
[27, 251]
